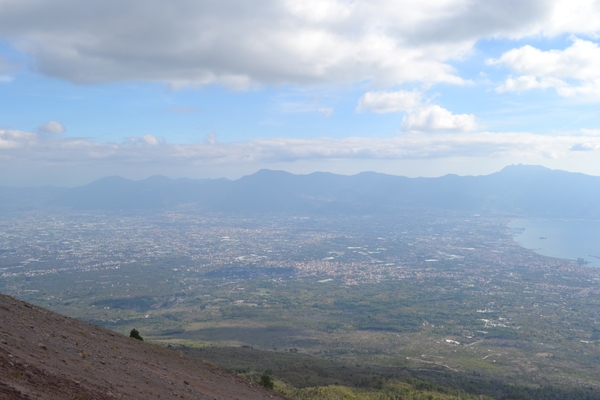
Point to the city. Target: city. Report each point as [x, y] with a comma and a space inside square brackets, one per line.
[451, 292]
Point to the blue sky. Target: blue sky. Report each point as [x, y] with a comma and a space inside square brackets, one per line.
[209, 89]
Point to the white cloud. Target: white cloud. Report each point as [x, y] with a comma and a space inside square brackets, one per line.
[11, 139]
[145, 139]
[435, 118]
[211, 138]
[52, 127]
[590, 132]
[572, 71]
[514, 19]
[235, 42]
[571, 16]
[8, 144]
[527, 82]
[6, 78]
[150, 139]
[382, 102]
[327, 111]
[320, 11]
[421, 117]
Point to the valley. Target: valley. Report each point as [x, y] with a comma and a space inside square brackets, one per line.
[447, 299]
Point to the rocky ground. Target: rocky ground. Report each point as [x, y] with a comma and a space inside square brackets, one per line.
[44, 355]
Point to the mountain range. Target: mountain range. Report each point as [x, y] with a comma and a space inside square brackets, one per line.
[517, 190]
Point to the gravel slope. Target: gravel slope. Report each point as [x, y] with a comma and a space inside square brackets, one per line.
[44, 355]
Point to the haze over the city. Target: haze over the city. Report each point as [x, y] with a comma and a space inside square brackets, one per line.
[222, 89]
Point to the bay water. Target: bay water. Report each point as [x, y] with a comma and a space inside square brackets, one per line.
[568, 239]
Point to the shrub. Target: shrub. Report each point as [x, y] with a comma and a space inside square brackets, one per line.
[266, 381]
[135, 334]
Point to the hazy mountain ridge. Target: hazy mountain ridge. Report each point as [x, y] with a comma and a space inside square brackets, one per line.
[516, 190]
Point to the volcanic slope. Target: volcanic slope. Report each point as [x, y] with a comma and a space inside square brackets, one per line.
[44, 355]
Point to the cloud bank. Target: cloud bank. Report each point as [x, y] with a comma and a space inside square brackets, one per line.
[274, 42]
[27, 146]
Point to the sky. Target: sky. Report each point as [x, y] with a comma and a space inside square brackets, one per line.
[223, 88]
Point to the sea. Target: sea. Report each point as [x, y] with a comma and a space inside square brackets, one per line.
[567, 239]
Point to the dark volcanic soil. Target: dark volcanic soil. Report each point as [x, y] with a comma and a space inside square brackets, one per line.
[44, 355]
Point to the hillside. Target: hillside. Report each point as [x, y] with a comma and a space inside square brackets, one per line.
[44, 355]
